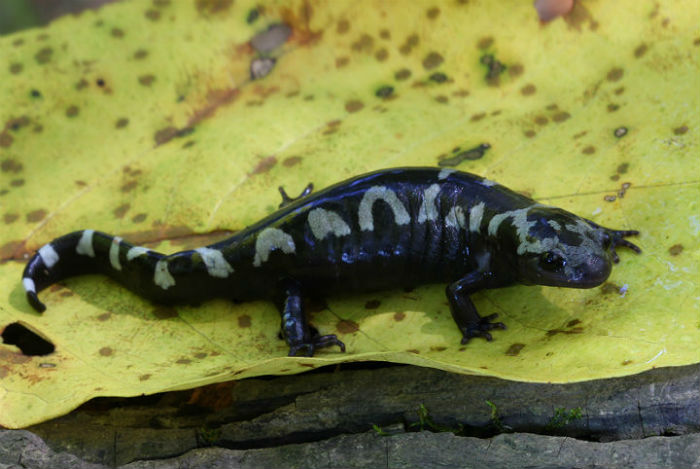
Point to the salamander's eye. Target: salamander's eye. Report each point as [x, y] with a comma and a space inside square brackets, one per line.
[552, 261]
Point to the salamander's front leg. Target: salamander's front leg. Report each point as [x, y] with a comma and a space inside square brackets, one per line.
[295, 329]
[464, 311]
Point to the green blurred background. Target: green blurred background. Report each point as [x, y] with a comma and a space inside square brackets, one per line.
[21, 14]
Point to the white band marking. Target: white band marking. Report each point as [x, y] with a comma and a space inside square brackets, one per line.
[322, 222]
[269, 240]
[84, 246]
[444, 173]
[428, 210]
[48, 255]
[215, 262]
[476, 214]
[455, 218]
[135, 252]
[162, 276]
[401, 216]
[114, 253]
[29, 284]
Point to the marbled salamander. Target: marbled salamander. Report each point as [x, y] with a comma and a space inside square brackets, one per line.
[391, 228]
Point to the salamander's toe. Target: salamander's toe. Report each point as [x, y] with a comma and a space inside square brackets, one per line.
[318, 341]
[481, 328]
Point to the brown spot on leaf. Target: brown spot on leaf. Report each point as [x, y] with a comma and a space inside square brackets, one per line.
[640, 50]
[346, 326]
[372, 304]
[354, 105]
[164, 135]
[291, 161]
[573, 323]
[147, 80]
[145, 377]
[11, 166]
[44, 55]
[212, 7]
[588, 150]
[164, 312]
[381, 55]
[442, 99]
[432, 13]
[575, 330]
[613, 107]
[385, 34]
[626, 362]
[72, 111]
[343, 26]
[36, 215]
[244, 321]
[183, 361]
[561, 116]
[121, 123]
[477, 117]
[104, 316]
[675, 249]
[140, 54]
[118, 33]
[200, 355]
[153, 15]
[106, 351]
[622, 168]
[82, 84]
[341, 62]
[514, 349]
[16, 68]
[120, 211]
[12, 250]
[516, 70]
[9, 218]
[485, 42]
[615, 74]
[680, 130]
[138, 218]
[265, 165]
[432, 60]
[364, 43]
[5, 139]
[17, 182]
[384, 92]
[529, 133]
[541, 120]
[399, 316]
[402, 74]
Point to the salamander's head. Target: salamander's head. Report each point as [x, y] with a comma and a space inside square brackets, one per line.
[558, 248]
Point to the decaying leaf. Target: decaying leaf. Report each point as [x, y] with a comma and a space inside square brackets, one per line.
[172, 124]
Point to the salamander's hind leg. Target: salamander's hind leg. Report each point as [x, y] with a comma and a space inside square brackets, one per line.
[464, 311]
[295, 329]
[286, 200]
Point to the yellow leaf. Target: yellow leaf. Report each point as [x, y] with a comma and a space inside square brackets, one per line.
[141, 119]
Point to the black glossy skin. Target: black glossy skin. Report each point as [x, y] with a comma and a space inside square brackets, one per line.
[515, 240]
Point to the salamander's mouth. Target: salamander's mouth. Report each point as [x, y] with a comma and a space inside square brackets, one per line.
[591, 272]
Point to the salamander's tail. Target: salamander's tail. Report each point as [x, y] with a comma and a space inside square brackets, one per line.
[90, 252]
